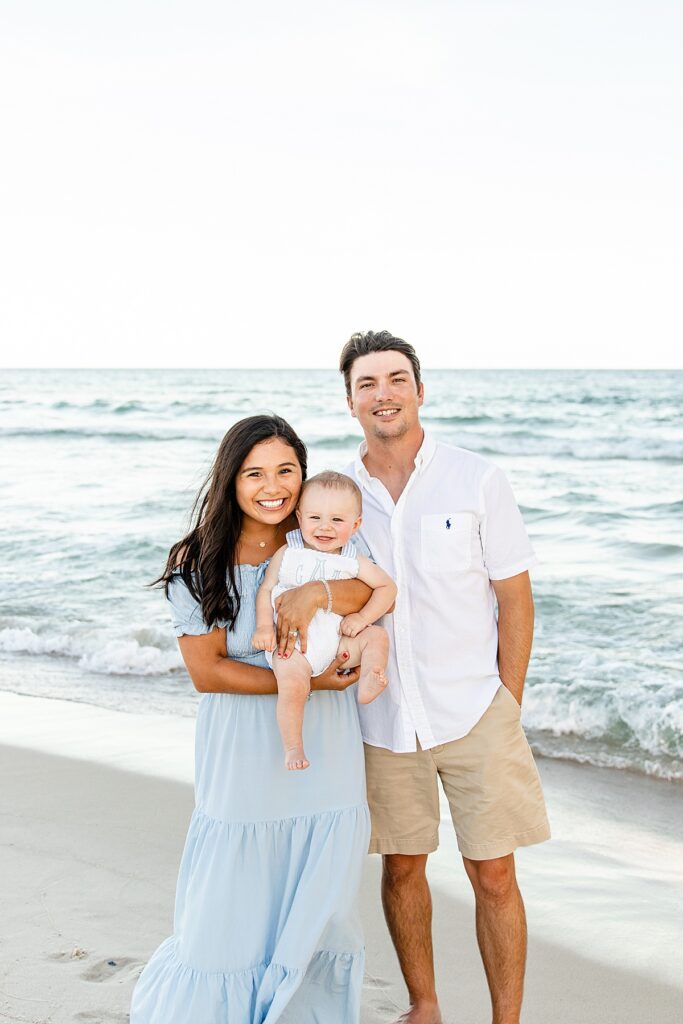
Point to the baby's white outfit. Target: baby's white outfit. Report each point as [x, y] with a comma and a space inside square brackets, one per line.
[302, 565]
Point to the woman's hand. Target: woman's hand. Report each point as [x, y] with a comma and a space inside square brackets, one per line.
[295, 609]
[330, 678]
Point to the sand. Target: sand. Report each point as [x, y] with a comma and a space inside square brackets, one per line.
[89, 855]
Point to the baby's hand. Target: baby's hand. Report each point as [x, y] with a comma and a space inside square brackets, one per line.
[264, 638]
[351, 625]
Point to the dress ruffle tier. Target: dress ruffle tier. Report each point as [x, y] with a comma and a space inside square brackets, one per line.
[255, 886]
[265, 993]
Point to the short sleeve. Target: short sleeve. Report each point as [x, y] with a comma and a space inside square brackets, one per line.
[506, 544]
[186, 613]
[361, 547]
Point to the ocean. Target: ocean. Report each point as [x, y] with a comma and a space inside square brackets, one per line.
[99, 470]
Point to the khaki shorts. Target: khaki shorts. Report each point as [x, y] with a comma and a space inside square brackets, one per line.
[489, 777]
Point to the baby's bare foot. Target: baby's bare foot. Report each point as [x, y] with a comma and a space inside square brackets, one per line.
[295, 759]
[370, 685]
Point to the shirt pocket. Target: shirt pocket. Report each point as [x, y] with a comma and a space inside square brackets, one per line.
[446, 542]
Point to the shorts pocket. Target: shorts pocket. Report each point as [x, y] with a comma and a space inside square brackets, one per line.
[446, 542]
[512, 700]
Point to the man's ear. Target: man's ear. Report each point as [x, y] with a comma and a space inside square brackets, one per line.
[420, 394]
[349, 402]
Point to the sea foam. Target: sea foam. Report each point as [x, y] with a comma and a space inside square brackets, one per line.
[124, 657]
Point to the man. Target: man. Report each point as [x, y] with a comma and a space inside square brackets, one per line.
[444, 523]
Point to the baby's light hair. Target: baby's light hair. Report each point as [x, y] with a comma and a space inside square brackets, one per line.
[337, 481]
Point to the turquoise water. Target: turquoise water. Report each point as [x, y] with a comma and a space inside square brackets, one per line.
[100, 468]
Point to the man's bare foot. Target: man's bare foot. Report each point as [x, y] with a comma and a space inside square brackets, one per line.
[370, 685]
[295, 759]
[421, 1013]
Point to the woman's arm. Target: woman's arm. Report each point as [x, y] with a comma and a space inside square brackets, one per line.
[296, 608]
[212, 671]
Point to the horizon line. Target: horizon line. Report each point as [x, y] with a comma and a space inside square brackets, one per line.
[328, 369]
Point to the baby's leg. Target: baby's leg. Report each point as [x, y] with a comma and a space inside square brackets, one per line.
[370, 650]
[293, 676]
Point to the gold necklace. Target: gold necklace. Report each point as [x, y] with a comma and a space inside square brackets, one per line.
[261, 543]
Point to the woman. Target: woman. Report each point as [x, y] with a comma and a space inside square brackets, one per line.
[265, 925]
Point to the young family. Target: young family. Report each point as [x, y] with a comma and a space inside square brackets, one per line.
[275, 595]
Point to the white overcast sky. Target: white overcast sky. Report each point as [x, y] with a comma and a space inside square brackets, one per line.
[246, 183]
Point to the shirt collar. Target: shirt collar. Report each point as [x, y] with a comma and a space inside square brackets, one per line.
[422, 459]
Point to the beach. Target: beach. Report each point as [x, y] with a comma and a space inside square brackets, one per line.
[95, 807]
[97, 711]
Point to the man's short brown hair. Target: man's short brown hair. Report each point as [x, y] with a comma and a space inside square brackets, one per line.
[364, 343]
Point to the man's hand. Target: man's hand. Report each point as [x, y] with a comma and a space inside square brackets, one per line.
[295, 609]
[264, 638]
[330, 678]
[351, 625]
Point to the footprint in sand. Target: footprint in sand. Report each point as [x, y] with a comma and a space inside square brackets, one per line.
[116, 968]
[376, 998]
[370, 982]
[76, 954]
[103, 1017]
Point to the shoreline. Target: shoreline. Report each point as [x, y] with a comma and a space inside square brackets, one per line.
[34, 732]
[56, 678]
[86, 904]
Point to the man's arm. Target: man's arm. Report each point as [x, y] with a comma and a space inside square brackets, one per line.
[515, 630]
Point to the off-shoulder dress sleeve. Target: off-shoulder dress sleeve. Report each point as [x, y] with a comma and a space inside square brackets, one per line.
[186, 613]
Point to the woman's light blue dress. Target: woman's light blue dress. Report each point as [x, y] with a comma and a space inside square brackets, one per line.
[266, 927]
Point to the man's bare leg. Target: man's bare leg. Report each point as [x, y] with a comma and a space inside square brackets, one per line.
[293, 676]
[408, 909]
[501, 933]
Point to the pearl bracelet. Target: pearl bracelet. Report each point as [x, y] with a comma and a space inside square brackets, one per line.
[329, 595]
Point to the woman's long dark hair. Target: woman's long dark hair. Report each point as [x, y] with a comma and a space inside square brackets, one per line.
[205, 558]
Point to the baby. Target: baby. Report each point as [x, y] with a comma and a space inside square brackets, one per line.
[329, 513]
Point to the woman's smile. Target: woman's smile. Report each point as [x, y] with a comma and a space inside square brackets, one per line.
[269, 503]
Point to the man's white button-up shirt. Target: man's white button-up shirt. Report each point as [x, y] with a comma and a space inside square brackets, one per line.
[455, 527]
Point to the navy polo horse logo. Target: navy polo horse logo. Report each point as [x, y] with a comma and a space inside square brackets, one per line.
[448, 524]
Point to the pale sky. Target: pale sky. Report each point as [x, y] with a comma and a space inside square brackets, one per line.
[245, 184]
